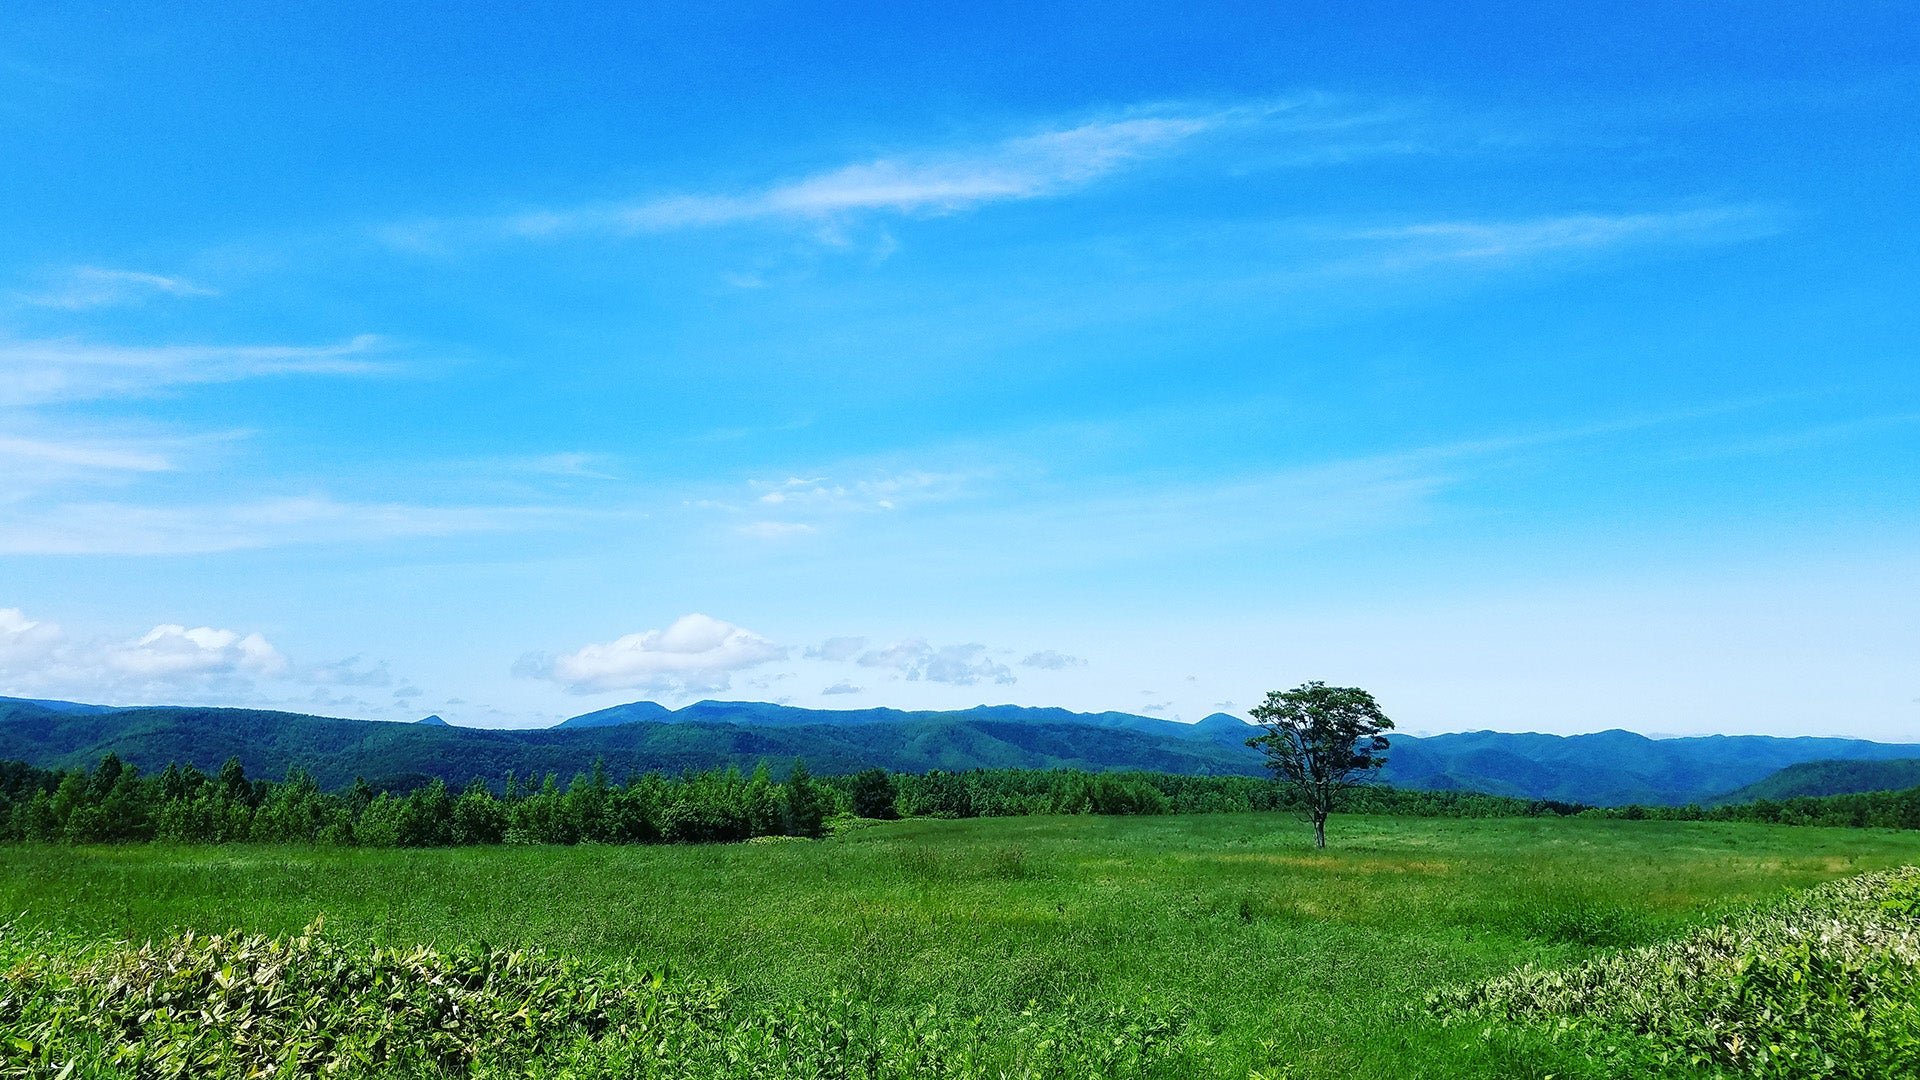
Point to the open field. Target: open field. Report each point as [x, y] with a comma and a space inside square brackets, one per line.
[1285, 961]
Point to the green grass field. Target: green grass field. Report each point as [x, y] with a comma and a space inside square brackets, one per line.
[1289, 962]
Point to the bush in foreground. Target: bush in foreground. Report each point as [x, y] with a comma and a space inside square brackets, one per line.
[1826, 984]
[245, 1006]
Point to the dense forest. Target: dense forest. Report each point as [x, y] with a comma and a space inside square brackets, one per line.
[116, 802]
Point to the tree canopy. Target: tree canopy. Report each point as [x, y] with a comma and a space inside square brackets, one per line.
[1321, 740]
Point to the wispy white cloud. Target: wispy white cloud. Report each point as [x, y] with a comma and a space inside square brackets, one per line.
[960, 665]
[1802, 438]
[806, 503]
[1456, 241]
[1026, 167]
[351, 671]
[1128, 521]
[26, 453]
[1044, 162]
[1042, 523]
[95, 286]
[878, 493]
[575, 464]
[42, 461]
[695, 654]
[46, 371]
[776, 530]
[843, 687]
[105, 528]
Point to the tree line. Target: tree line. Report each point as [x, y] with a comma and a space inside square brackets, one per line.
[1864, 810]
[115, 802]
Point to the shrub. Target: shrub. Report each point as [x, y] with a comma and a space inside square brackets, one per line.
[243, 1006]
[1824, 985]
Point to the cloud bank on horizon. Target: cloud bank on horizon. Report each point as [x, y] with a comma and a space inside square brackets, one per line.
[1552, 372]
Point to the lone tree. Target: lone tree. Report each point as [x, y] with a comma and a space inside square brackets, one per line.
[1321, 740]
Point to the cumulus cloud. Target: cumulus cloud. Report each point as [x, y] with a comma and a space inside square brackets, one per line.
[181, 664]
[960, 665]
[843, 687]
[173, 653]
[25, 644]
[696, 654]
[838, 649]
[1048, 660]
[36, 655]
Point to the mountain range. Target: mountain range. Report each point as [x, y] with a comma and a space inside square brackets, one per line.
[1605, 768]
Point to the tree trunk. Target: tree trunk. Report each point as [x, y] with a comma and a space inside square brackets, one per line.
[1320, 831]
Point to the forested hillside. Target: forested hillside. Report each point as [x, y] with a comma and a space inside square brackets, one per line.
[335, 751]
[1820, 778]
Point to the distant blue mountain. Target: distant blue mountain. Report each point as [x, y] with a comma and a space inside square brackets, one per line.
[1606, 768]
[1217, 727]
[433, 720]
[620, 714]
[1611, 768]
[336, 750]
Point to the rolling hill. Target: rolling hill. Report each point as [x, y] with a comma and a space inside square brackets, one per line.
[1605, 768]
[1818, 778]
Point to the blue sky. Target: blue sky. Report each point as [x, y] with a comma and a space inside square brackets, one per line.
[1536, 371]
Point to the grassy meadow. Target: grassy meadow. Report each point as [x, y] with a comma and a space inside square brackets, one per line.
[1277, 959]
